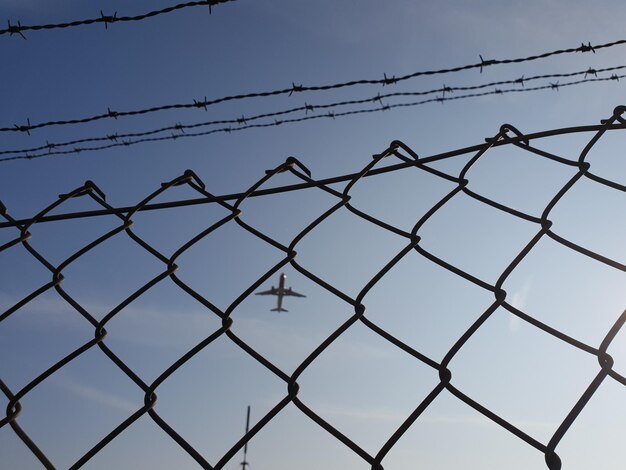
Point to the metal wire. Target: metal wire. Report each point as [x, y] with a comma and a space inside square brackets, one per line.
[52, 148]
[204, 103]
[408, 161]
[117, 141]
[19, 29]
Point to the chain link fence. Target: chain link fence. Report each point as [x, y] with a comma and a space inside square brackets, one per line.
[406, 161]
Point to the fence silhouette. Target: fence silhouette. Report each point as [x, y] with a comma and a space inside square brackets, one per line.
[407, 159]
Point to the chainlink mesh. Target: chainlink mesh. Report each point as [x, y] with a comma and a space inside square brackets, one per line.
[407, 161]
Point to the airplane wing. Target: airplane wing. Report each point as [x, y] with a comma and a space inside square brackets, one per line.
[292, 293]
[267, 292]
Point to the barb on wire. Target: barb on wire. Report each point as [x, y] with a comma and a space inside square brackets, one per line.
[106, 19]
[144, 137]
[24, 127]
[15, 29]
[587, 47]
[302, 88]
[545, 224]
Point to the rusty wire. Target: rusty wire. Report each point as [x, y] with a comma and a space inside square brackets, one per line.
[204, 103]
[178, 130]
[19, 29]
[408, 160]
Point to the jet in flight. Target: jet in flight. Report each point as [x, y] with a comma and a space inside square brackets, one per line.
[280, 291]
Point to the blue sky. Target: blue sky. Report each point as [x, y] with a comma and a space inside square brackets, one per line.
[362, 385]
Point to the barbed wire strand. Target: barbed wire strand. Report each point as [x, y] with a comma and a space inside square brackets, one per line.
[329, 115]
[106, 20]
[294, 89]
[179, 127]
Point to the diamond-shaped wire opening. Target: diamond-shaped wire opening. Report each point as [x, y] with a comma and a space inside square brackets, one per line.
[346, 251]
[58, 241]
[591, 215]
[83, 402]
[450, 434]
[476, 238]
[353, 385]
[190, 400]
[21, 276]
[425, 305]
[399, 198]
[299, 442]
[142, 445]
[37, 336]
[583, 306]
[287, 338]
[528, 385]
[161, 325]
[168, 230]
[520, 179]
[282, 216]
[110, 272]
[221, 274]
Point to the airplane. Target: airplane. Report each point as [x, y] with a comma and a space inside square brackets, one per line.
[281, 292]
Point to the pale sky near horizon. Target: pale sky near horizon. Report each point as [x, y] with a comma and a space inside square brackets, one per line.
[362, 385]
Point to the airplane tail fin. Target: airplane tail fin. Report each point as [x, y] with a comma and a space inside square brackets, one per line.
[279, 310]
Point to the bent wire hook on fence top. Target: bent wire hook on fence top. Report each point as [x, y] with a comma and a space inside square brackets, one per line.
[507, 135]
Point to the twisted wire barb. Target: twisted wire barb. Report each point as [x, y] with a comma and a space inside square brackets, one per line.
[409, 161]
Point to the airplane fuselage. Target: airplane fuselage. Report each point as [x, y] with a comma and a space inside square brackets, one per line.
[280, 294]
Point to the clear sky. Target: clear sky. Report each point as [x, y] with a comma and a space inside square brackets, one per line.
[362, 385]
